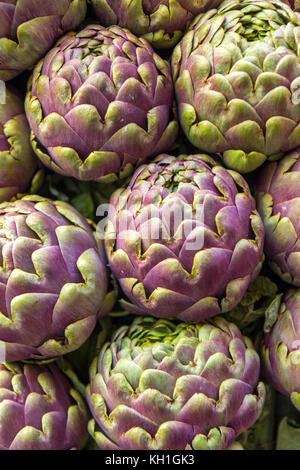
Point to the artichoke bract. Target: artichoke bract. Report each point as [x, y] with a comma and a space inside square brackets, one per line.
[29, 28]
[99, 104]
[53, 279]
[281, 348]
[163, 385]
[236, 76]
[184, 239]
[39, 410]
[17, 159]
[161, 22]
[278, 201]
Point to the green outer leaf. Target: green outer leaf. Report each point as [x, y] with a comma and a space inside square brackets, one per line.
[288, 435]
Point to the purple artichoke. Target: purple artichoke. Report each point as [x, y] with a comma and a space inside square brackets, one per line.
[236, 75]
[278, 198]
[39, 410]
[28, 28]
[162, 385]
[281, 348]
[100, 103]
[17, 160]
[184, 238]
[53, 279]
[161, 22]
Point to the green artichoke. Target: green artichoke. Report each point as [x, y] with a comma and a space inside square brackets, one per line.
[99, 104]
[163, 385]
[184, 238]
[17, 159]
[39, 410]
[161, 22]
[236, 76]
[53, 279]
[28, 28]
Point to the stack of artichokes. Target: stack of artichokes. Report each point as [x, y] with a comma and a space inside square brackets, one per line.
[149, 225]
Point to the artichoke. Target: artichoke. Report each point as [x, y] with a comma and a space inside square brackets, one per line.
[184, 238]
[53, 279]
[281, 348]
[39, 410]
[85, 196]
[17, 160]
[236, 76]
[161, 22]
[100, 103]
[163, 385]
[28, 28]
[278, 200]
